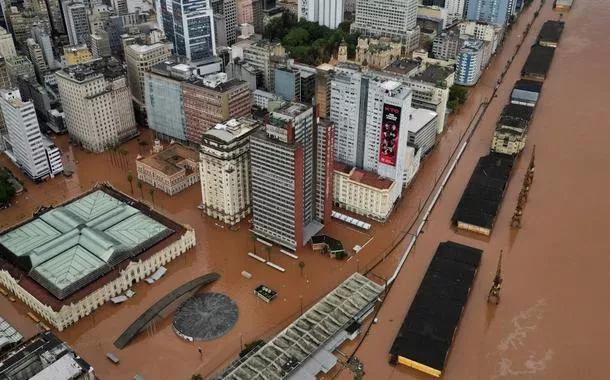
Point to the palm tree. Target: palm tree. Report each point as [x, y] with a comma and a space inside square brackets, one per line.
[142, 145]
[130, 180]
[268, 249]
[253, 238]
[124, 153]
[301, 266]
[151, 191]
[140, 184]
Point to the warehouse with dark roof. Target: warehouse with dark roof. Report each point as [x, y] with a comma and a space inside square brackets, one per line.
[526, 92]
[538, 63]
[428, 330]
[550, 33]
[480, 202]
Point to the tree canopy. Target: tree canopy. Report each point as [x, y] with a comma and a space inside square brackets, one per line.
[309, 42]
[7, 191]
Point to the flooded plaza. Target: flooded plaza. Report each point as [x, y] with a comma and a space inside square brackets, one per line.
[550, 323]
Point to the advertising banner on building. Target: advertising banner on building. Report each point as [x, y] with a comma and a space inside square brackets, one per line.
[390, 127]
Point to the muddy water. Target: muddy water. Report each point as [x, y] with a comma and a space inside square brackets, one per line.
[552, 321]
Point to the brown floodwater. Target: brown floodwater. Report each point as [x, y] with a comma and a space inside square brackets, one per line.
[550, 324]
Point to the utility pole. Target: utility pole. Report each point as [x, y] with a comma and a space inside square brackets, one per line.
[527, 182]
[496, 286]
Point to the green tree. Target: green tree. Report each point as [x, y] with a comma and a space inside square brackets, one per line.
[296, 37]
[130, 180]
[457, 97]
[7, 191]
[268, 249]
[197, 376]
[250, 346]
[140, 185]
[151, 191]
[301, 266]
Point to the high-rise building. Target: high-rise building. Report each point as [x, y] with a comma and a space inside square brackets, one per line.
[34, 52]
[26, 141]
[139, 59]
[469, 62]
[225, 170]
[97, 103]
[44, 41]
[7, 46]
[288, 84]
[490, 11]
[120, 6]
[182, 106]
[388, 18]
[189, 25]
[77, 23]
[261, 55]
[56, 17]
[324, 12]
[19, 65]
[325, 157]
[244, 12]
[447, 44]
[227, 9]
[324, 75]
[100, 45]
[283, 179]
[482, 31]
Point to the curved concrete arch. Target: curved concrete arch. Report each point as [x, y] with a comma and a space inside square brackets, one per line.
[133, 330]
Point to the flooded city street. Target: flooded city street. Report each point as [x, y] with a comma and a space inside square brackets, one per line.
[550, 323]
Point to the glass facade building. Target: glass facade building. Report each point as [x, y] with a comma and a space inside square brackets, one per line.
[189, 25]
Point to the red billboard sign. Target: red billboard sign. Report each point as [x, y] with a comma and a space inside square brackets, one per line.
[390, 127]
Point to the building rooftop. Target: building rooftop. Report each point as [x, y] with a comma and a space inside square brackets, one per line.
[44, 357]
[434, 74]
[293, 109]
[472, 45]
[171, 160]
[404, 66]
[515, 115]
[551, 31]
[145, 48]
[292, 347]
[62, 254]
[110, 68]
[539, 60]
[9, 336]
[364, 177]
[232, 130]
[528, 85]
[420, 117]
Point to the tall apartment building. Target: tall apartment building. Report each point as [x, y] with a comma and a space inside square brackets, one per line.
[7, 46]
[446, 45]
[227, 9]
[324, 75]
[189, 25]
[388, 18]
[17, 66]
[139, 59]
[283, 179]
[224, 169]
[482, 31]
[34, 52]
[288, 84]
[55, 16]
[77, 54]
[469, 62]
[77, 23]
[261, 55]
[27, 147]
[182, 106]
[490, 11]
[44, 41]
[324, 12]
[97, 103]
[244, 12]
[325, 157]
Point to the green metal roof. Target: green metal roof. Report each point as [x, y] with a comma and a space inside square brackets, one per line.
[70, 246]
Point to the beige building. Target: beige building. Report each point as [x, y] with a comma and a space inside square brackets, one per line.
[362, 192]
[171, 170]
[377, 53]
[7, 46]
[112, 243]
[263, 55]
[225, 170]
[140, 58]
[75, 54]
[97, 104]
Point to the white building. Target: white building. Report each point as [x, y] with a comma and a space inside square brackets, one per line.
[7, 46]
[324, 12]
[140, 59]
[24, 138]
[412, 161]
[422, 129]
[266, 100]
[390, 18]
[225, 170]
[470, 62]
[97, 103]
[482, 31]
